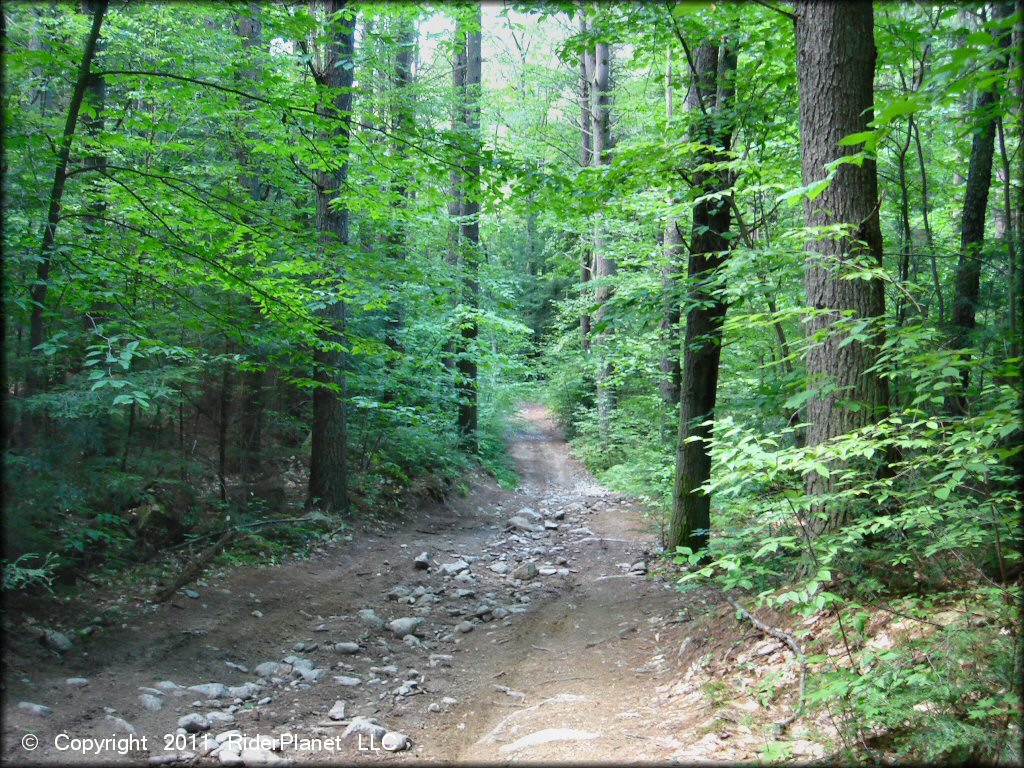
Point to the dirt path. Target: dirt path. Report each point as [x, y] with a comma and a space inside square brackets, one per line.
[561, 665]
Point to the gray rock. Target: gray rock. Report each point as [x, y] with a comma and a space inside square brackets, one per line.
[151, 702]
[499, 568]
[210, 690]
[499, 612]
[550, 525]
[529, 512]
[422, 561]
[119, 725]
[262, 756]
[229, 756]
[347, 648]
[369, 617]
[440, 660]
[639, 567]
[170, 687]
[191, 594]
[394, 741]
[258, 614]
[409, 625]
[337, 711]
[55, 641]
[464, 627]
[365, 726]
[526, 571]
[522, 524]
[451, 569]
[194, 723]
[272, 669]
[219, 717]
[77, 682]
[347, 680]
[244, 691]
[40, 710]
[237, 667]
[558, 514]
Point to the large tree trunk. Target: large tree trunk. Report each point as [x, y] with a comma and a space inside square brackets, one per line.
[710, 99]
[604, 263]
[328, 473]
[835, 72]
[470, 236]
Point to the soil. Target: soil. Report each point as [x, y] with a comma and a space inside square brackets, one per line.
[591, 653]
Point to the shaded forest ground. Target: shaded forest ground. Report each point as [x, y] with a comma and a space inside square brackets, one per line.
[589, 659]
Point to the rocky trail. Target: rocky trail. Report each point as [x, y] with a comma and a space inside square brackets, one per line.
[506, 626]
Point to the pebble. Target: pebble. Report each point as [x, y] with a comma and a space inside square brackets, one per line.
[337, 711]
[194, 723]
[35, 709]
[369, 617]
[499, 568]
[464, 627]
[77, 682]
[408, 625]
[261, 756]
[191, 594]
[120, 725]
[639, 567]
[236, 667]
[210, 690]
[219, 717]
[258, 614]
[347, 680]
[346, 648]
[451, 569]
[522, 524]
[151, 702]
[422, 561]
[271, 669]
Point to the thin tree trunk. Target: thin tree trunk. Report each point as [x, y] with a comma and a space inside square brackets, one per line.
[586, 158]
[710, 101]
[928, 238]
[35, 378]
[470, 235]
[604, 263]
[673, 251]
[835, 71]
[328, 475]
[455, 178]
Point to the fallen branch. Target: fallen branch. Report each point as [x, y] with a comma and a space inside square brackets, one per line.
[195, 567]
[789, 640]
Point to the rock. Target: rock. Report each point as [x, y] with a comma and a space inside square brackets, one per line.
[499, 568]
[151, 702]
[369, 617]
[244, 691]
[171, 757]
[499, 612]
[191, 594]
[219, 717]
[638, 567]
[394, 741]
[465, 593]
[237, 667]
[530, 512]
[347, 680]
[119, 725]
[409, 625]
[337, 711]
[223, 736]
[311, 675]
[550, 525]
[210, 690]
[440, 660]
[365, 726]
[272, 669]
[229, 756]
[449, 701]
[422, 561]
[412, 641]
[435, 707]
[77, 682]
[526, 571]
[452, 569]
[464, 627]
[194, 723]
[558, 514]
[465, 578]
[522, 524]
[258, 614]
[40, 710]
[547, 735]
[346, 648]
[262, 756]
[55, 641]
[170, 687]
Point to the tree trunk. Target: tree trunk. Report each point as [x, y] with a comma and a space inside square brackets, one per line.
[673, 247]
[455, 179]
[328, 474]
[835, 73]
[710, 101]
[35, 377]
[586, 158]
[604, 264]
[470, 237]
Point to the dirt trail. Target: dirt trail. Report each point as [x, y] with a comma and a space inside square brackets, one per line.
[554, 667]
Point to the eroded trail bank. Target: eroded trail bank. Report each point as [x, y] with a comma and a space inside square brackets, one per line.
[532, 632]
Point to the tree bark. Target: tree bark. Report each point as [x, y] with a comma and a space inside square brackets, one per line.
[710, 101]
[586, 158]
[835, 72]
[673, 247]
[604, 264]
[470, 237]
[328, 474]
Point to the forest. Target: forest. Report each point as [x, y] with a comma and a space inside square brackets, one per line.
[274, 270]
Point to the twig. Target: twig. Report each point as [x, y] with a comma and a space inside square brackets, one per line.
[789, 640]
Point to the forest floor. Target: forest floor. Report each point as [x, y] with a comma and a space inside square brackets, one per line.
[588, 657]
